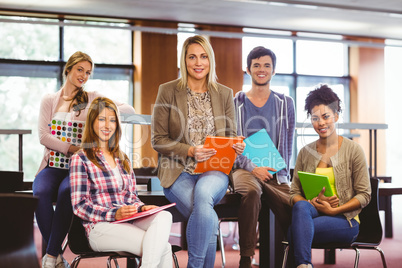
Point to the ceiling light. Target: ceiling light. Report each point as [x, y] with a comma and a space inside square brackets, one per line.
[395, 15]
[265, 31]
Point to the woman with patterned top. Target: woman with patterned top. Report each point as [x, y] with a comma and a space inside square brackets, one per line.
[61, 120]
[103, 189]
[186, 111]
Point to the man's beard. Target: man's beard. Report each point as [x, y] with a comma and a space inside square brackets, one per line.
[260, 84]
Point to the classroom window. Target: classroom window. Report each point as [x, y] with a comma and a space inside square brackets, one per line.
[30, 67]
[104, 45]
[282, 48]
[20, 99]
[301, 66]
[321, 58]
[23, 40]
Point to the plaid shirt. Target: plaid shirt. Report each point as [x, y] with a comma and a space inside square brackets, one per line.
[95, 194]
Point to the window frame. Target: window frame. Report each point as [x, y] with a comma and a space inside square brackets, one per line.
[54, 69]
[295, 78]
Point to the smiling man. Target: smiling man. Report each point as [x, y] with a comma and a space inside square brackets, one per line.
[262, 108]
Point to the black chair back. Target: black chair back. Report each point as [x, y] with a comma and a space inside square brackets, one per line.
[17, 247]
[77, 239]
[11, 181]
[370, 230]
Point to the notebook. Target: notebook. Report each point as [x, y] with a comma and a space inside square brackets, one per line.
[312, 184]
[262, 151]
[66, 131]
[146, 213]
[225, 155]
[11, 181]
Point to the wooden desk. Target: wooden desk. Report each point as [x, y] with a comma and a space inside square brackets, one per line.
[387, 190]
[271, 249]
[18, 132]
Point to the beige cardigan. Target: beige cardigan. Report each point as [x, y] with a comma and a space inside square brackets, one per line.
[350, 170]
[46, 113]
[169, 126]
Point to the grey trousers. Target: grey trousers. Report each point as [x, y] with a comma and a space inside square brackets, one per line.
[251, 188]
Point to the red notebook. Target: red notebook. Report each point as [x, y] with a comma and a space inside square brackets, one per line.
[225, 155]
[145, 213]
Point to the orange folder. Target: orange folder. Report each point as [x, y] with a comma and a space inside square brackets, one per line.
[225, 155]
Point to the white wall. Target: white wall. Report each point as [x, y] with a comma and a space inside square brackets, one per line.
[393, 111]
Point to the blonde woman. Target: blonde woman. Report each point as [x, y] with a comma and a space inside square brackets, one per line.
[186, 111]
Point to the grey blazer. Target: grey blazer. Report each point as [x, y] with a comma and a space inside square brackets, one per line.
[169, 126]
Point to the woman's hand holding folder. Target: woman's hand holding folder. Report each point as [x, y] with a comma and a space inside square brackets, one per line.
[323, 203]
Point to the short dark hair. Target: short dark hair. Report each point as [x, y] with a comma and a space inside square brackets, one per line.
[259, 52]
[322, 94]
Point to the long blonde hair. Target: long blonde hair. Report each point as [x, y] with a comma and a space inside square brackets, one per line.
[211, 77]
[90, 141]
[80, 99]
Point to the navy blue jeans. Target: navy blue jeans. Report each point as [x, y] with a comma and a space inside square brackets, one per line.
[308, 226]
[53, 185]
[195, 197]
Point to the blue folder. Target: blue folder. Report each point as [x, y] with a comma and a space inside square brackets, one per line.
[262, 151]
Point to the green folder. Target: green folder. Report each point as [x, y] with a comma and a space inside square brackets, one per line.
[312, 184]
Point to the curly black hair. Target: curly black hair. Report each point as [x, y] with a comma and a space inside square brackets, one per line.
[323, 94]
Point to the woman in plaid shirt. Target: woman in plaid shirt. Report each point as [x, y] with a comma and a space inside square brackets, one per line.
[103, 190]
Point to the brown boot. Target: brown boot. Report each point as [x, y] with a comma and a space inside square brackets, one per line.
[245, 262]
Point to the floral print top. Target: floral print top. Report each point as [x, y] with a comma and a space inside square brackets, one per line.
[200, 122]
